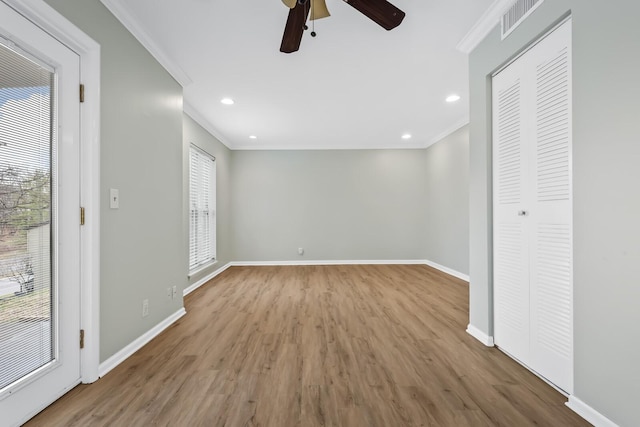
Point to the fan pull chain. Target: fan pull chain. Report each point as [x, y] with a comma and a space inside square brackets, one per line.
[313, 20]
[303, 2]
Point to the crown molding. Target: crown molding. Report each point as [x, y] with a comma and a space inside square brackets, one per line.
[483, 27]
[118, 10]
[442, 135]
[334, 147]
[192, 112]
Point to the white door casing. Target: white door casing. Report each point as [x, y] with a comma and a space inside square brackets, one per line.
[533, 280]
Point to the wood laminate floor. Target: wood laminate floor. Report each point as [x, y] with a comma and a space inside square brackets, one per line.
[318, 346]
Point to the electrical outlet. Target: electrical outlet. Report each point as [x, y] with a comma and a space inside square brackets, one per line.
[175, 292]
[145, 307]
[300, 251]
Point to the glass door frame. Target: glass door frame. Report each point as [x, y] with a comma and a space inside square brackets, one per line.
[48, 19]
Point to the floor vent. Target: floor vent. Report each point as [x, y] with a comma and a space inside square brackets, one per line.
[516, 14]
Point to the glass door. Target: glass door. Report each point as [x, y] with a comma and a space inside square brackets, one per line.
[26, 153]
[39, 218]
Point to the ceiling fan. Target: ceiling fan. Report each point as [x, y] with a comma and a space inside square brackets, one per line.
[381, 12]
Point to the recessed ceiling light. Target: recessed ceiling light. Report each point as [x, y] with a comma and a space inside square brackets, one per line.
[253, 137]
[406, 136]
[453, 98]
[227, 101]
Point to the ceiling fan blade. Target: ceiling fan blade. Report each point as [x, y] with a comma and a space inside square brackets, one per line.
[290, 3]
[294, 28]
[319, 9]
[381, 12]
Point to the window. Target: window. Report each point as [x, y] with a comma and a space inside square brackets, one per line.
[202, 208]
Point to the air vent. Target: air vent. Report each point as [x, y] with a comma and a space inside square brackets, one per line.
[516, 14]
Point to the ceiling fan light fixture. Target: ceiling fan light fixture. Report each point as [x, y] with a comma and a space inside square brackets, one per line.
[227, 101]
[453, 98]
[381, 12]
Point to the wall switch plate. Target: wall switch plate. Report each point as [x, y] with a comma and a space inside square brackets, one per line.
[145, 307]
[169, 293]
[114, 198]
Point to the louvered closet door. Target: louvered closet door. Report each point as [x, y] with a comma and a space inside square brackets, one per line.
[540, 219]
[551, 212]
[511, 249]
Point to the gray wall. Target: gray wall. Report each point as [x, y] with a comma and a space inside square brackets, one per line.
[353, 204]
[337, 205]
[194, 134]
[142, 243]
[447, 189]
[606, 153]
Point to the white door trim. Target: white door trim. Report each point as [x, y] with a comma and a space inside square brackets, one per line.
[67, 33]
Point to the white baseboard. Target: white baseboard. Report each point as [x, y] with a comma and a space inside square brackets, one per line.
[122, 355]
[448, 270]
[480, 336]
[588, 413]
[435, 265]
[327, 262]
[354, 262]
[205, 279]
[210, 276]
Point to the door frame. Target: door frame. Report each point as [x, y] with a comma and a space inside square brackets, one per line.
[47, 18]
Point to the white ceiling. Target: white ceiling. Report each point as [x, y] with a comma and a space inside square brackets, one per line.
[353, 86]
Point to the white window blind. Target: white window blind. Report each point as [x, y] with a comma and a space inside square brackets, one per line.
[202, 208]
[26, 288]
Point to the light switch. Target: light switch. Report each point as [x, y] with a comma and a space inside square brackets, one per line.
[114, 198]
